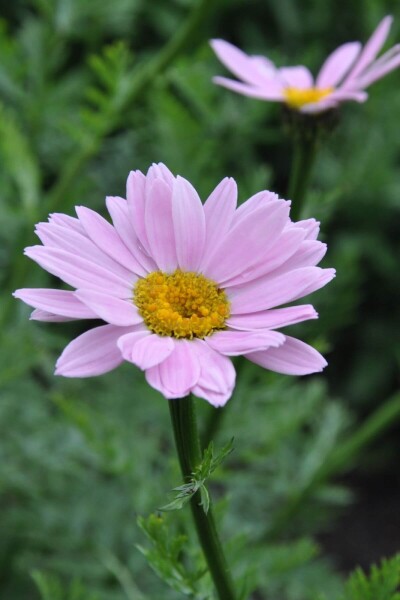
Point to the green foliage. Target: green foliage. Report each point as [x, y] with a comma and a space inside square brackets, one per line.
[201, 474]
[108, 95]
[25, 173]
[165, 557]
[383, 582]
[51, 588]
[88, 91]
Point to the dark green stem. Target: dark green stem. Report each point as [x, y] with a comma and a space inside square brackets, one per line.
[304, 154]
[184, 424]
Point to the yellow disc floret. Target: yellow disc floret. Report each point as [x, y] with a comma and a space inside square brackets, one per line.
[181, 304]
[297, 97]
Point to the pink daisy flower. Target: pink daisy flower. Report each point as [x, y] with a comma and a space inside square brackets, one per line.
[345, 74]
[180, 285]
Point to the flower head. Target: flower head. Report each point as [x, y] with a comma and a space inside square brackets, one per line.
[180, 285]
[345, 74]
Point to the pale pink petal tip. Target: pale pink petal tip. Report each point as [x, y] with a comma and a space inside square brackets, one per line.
[48, 317]
[292, 358]
[217, 375]
[235, 343]
[177, 375]
[93, 353]
[57, 302]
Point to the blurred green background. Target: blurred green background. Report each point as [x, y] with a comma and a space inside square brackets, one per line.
[88, 91]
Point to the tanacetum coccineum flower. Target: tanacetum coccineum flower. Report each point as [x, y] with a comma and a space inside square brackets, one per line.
[344, 75]
[181, 285]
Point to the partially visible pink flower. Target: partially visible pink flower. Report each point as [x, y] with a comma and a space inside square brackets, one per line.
[180, 285]
[345, 74]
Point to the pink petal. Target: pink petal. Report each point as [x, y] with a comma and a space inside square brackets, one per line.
[145, 351]
[66, 221]
[234, 343]
[259, 200]
[153, 378]
[241, 248]
[217, 375]
[103, 234]
[296, 77]
[160, 171]
[79, 272]
[43, 315]
[310, 226]
[341, 95]
[189, 225]
[293, 358]
[118, 209]
[273, 318]
[57, 302]
[263, 64]
[240, 64]
[136, 202]
[159, 225]
[112, 310]
[285, 247]
[370, 50]
[272, 291]
[309, 254]
[271, 90]
[216, 399]
[93, 353]
[54, 236]
[127, 342]
[376, 73]
[337, 64]
[176, 376]
[219, 210]
[326, 275]
[393, 52]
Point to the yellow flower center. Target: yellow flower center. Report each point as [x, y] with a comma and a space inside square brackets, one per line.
[181, 304]
[296, 97]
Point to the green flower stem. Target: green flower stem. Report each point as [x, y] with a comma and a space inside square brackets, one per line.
[184, 424]
[340, 460]
[304, 154]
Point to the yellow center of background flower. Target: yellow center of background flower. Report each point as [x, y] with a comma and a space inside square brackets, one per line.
[296, 97]
[181, 304]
